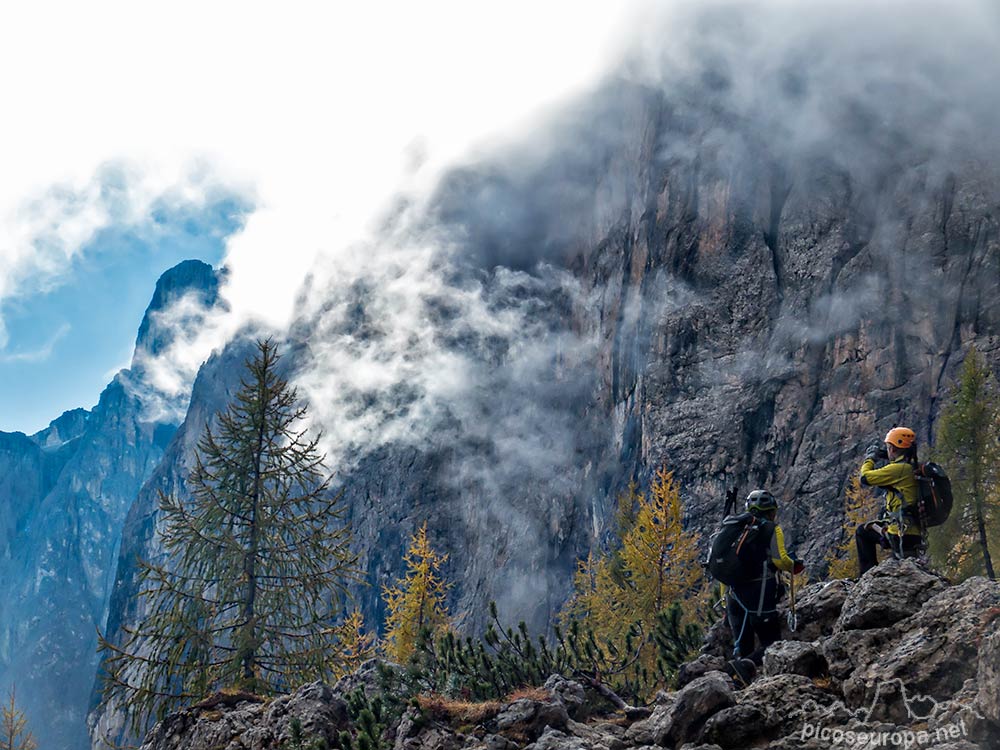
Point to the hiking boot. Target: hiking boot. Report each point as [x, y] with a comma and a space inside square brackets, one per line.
[742, 671]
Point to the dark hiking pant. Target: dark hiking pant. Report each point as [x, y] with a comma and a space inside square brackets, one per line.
[754, 632]
[870, 536]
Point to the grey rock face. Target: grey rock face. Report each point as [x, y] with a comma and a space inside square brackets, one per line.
[64, 495]
[191, 278]
[794, 657]
[934, 651]
[988, 675]
[527, 717]
[887, 594]
[818, 607]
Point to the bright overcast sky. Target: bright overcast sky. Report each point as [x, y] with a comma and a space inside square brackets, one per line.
[310, 111]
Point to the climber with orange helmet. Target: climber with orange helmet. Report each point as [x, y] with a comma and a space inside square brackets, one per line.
[894, 530]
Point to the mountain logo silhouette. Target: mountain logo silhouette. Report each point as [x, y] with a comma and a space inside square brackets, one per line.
[919, 707]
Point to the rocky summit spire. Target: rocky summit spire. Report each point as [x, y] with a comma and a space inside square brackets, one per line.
[190, 280]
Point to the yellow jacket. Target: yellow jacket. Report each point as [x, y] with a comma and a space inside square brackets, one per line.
[779, 555]
[900, 488]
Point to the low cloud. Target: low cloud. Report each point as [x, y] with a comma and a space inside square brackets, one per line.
[188, 331]
[46, 234]
[402, 345]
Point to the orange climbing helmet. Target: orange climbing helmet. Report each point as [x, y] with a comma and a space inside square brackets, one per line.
[901, 437]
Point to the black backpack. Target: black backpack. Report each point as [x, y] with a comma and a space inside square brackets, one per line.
[739, 549]
[934, 498]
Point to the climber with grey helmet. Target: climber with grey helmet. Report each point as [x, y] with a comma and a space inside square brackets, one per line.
[752, 601]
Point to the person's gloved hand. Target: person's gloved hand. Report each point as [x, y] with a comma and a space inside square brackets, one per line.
[873, 452]
[800, 567]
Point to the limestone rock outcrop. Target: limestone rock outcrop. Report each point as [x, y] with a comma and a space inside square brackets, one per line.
[929, 678]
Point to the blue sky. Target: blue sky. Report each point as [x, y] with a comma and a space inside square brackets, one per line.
[322, 116]
[66, 343]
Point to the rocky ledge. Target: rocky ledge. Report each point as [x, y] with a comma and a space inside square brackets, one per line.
[898, 659]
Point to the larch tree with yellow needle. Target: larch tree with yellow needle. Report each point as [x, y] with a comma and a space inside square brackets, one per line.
[861, 505]
[14, 734]
[417, 601]
[654, 565]
[354, 645]
[660, 559]
[594, 601]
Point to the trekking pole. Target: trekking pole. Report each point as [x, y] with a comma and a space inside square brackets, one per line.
[793, 618]
[730, 504]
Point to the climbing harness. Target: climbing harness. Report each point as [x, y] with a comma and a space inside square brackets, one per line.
[747, 611]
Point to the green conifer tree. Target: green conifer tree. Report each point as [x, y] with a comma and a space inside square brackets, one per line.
[968, 446]
[259, 559]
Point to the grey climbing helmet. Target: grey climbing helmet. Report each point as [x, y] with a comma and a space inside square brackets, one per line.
[761, 501]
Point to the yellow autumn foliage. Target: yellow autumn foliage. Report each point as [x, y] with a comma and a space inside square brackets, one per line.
[860, 506]
[654, 565]
[354, 645]
[418, 599]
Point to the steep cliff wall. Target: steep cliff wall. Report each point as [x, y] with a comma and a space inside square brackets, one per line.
[746, 269]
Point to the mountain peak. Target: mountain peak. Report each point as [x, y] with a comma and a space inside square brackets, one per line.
[64, 428]
[189, 278]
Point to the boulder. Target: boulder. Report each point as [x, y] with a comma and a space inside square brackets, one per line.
[368, 677]
[553, 739]
[888, 593]
[961, 716]
[931, 653]
[794, 657]
[697, 701]
[736, 727]
[492, 742]
[678, 717]
[818, 606]
[692, 670]
[719, 639]
[430, 738]
[988, 674]
[571, 693]
[599, 735]
[320, 710]
[527, 718]
[790, 701]
[654, 729]
[252, 724]
[847, 650]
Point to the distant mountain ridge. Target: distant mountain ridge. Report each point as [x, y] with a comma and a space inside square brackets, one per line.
[64, 495]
